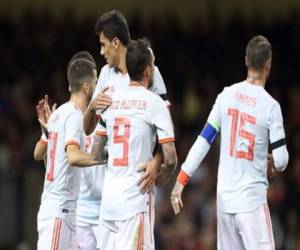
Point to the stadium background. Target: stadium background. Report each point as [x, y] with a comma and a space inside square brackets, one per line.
[199, 48]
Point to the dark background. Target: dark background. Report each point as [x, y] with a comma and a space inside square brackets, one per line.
[199, 48]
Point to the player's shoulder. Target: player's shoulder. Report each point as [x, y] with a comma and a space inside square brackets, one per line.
[62, 112]
[154, 97]
[158, 85]
[107, 70]
[234, 86]
[70, 108]
[270, 99]
[260, 93]
[228, 91]
[104, 69]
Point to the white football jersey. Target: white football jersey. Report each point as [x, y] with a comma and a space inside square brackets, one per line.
[133, 120]
[248, 117]
[89, 200]
[114, 79]
[61, 187]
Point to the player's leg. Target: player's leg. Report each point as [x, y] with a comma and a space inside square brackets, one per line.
[107, 235]
[227, 233]
[55, 234]
[135, 233]
[85, 237]
[42, 228]
[256, 229]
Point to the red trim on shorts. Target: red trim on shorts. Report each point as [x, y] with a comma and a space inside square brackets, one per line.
[53, 234]
[139, 236]
[150, 215]
[140, 245]
[56, 234]
[269, 224]
[142, 238]
[183, 178]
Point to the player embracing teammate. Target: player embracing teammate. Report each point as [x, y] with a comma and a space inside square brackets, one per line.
[126, 115]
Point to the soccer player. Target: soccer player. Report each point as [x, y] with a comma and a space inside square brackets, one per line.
[56, 217]
[89, 200]
[114, 37]
[248, 118]
[130, 125]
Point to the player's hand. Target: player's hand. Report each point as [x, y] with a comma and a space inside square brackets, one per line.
[150, 173]
[40, 110]
[43, 111]
[101, 101]
[271, 172]
[47, 109]
[176, 199]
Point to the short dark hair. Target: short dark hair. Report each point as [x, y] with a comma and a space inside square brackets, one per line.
[113, 24]
[258, 52]
[80, 71]
[82, 54]
[138, 57]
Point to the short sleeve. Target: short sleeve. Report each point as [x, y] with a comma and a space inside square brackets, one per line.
[158, 87]
[100, 85]
[73, 129]
[161, 119]
[214, 118]
[100, 82]
[276, 124]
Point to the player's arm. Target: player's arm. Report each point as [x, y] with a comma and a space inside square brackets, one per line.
[280, 156]
[43, 112]
[40, 149]
[98, 149]
[78, 158]
[73, 129]
[170, 161]
[196, 155]
[151, 171]
[100, 102]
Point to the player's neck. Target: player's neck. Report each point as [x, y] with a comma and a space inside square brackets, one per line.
[138, 84]
[122, 64]
[256, 78]
[79, 101]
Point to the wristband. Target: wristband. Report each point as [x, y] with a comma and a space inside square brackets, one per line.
[183, 178]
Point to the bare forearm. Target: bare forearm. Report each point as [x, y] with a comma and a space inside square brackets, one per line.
[170, 164]
[158, 157]
[98, 149]
[170, 161]
[80, 159]
[40, 150]
[89, 121]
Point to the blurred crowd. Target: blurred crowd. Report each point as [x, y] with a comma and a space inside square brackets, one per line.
[196, 64]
